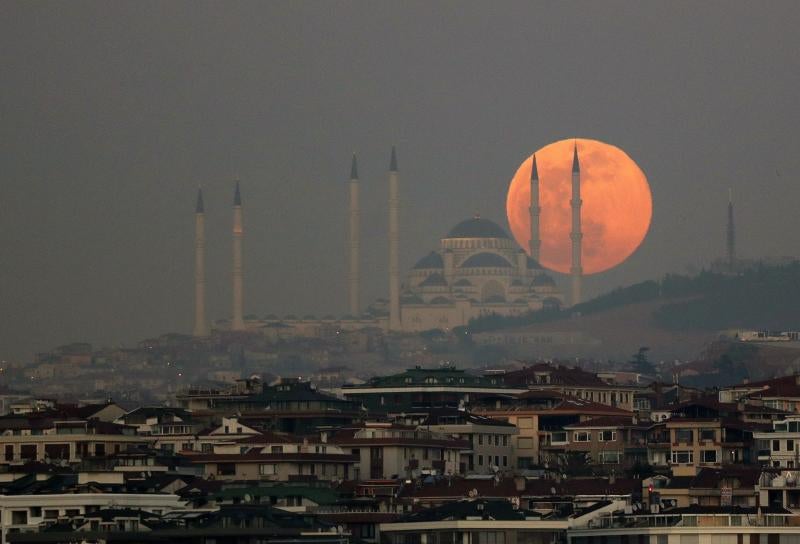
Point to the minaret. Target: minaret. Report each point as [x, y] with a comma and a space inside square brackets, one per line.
[394, 245]
[237, 321]
[576, 235]
[200, 323]
[535, 210]
[731, 235]
[354, 242]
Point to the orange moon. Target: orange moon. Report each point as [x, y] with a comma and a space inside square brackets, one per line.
[617, 205]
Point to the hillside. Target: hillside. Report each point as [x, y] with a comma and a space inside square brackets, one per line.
[676, 316]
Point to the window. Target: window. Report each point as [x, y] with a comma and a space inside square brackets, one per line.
[489, 537]
[607, 436]
[267, 469]
[505, 440]
[525, 423]
[682, 456]
[505, 460]
[709, 456]
[525, 443]
[790, 445]
[610, 457]
[480, 440]
[226, 469]
[497, 440]
[776, 445]
[582, 436]
[480, 460]
[707, 434]
[276, 449]
[684, 436]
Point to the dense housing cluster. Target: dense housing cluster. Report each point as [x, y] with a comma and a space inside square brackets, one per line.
[544, 454]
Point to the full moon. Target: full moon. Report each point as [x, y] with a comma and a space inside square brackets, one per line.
[617, 205]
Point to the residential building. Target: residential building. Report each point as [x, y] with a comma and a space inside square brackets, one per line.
[386, 450]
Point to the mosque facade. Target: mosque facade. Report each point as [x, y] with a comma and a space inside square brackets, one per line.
[477, 270]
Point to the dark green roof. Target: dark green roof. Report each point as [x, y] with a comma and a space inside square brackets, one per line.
[486, 260]
[431, 260]
[477, 228]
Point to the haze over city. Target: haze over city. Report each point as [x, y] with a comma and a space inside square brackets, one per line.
[114, 114]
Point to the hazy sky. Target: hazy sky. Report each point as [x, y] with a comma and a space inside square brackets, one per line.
[112, 113]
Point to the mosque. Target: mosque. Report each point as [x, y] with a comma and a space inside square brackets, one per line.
[477, 270]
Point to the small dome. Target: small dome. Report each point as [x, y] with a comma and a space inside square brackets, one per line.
[489, 260]
[431, 260]
[533, 264]
[434, 280]
[463, 282]
[411, 299]
[440, 300]
[477, 228]
[543, 280]
[494, 299]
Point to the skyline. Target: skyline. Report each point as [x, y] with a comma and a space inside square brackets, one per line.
[108, 134]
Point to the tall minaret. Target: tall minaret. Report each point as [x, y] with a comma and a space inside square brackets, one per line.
[535, 210]
[200, 323]
[237, 321]
[576, 235]
[394, 245]
[731, 235]
[354, 242]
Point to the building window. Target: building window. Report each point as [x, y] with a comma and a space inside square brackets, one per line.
[582, 436]
[776, 445]
[480, 460]
[505, 440]
[480, 440]
[489, 537]
[226, 469]
[505, 460]
[707, 434]
[525, 443]
[790, 445]
[607, 436]
[267, 469]
[497, 440]
[682, 456]
[709, 456]
[610, 457]
[525, 423]
[684, 436]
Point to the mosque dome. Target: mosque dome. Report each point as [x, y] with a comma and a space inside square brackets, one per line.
[486, 260]
[477, 228]
[533, 264]
[431, 260]
[543, 280]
